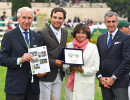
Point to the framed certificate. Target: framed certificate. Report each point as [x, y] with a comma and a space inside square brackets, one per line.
[72, 56]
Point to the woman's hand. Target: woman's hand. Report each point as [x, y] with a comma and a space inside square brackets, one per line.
[76, 68]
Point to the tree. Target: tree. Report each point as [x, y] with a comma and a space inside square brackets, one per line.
[122, 7]
[16, 4]
[41, 1]
[44, 1]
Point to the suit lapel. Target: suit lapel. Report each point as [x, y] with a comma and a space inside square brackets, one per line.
[116, 37]
[62, 35]
[52, 34]
[104, 41]
[32, 39]
[18, 35]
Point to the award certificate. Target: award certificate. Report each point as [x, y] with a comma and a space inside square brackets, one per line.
[73, 56]
[40, 63]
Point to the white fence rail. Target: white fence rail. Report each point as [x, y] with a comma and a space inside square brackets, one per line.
[8, 25]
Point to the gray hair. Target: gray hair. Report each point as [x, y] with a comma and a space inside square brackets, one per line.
[110, 14]
[24, 8]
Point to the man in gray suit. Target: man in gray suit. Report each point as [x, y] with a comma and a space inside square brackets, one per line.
[54, 38]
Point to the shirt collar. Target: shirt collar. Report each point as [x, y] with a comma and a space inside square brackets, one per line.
[22, 29]
[113, 33]
[54, 30]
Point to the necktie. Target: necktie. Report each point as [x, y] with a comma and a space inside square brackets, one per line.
[26, 37]
[109, 41]
[58, 37]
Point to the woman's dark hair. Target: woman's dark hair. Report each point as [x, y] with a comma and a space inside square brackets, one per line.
[83, 27]
[58, 9]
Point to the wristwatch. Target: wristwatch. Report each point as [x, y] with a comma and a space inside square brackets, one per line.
[113, 77]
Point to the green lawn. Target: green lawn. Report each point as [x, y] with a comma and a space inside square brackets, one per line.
[2, 84]
[3, 74]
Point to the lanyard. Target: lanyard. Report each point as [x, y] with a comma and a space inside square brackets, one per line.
[26, 43]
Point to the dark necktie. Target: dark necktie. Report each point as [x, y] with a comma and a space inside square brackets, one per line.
[26, 37]
[109, 41]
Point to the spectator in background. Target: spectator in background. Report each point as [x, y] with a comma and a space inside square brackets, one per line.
[3, 16]
[75, 19]
[63, 3]
[77, 2]
[35, 17]
[15, 18]
[90, 23]
[57, 2]
[73, 1]
[69, 20]
[78, 19]
[129, 29]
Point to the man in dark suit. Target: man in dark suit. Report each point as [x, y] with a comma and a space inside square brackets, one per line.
[14, 55]
[54, 38]
[113, 49]
[123, 26]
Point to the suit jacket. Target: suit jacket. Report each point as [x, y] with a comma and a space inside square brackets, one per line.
[54, 49]
[13, 46]
[83, 82]
[114, 60]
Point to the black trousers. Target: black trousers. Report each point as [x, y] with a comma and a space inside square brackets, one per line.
[114, 93]
[28, 95]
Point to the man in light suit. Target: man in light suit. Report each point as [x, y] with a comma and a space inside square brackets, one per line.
[113, 49]
[54, 38]
[14, 55]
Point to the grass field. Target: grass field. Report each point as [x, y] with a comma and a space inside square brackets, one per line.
[2, 84]
[3, 74]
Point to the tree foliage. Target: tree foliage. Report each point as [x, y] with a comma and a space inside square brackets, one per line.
[16, 4]
[44, 1]
[41, 1]
[122, 7]
[98, 0]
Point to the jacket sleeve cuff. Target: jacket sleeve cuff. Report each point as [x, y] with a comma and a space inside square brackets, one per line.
[99, 76]
[18, 62]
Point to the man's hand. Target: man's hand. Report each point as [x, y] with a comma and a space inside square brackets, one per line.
[58, 63]
[41, 74]
[102, 80]
[26, 57]
[109, 81]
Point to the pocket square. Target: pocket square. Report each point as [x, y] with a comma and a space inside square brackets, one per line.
[117, 43]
